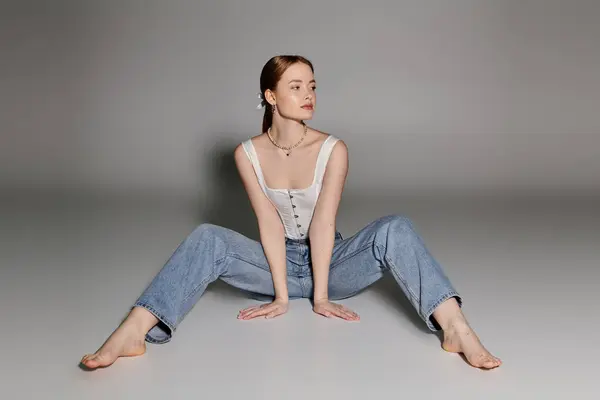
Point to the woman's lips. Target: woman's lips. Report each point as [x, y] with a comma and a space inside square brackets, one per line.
[307, 107]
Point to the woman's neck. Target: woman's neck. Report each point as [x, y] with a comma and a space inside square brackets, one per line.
[287, 132]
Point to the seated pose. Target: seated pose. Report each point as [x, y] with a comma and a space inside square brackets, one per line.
[294, 176]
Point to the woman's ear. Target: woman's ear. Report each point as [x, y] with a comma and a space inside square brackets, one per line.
[270, 96]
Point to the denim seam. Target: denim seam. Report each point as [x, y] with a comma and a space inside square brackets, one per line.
[338, 262]
[212, 275]
[234, 255]
[302, 287]
[394, 271]
[202, 282]
[398, 276]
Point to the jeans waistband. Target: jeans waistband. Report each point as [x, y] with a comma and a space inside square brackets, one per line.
[301, 241]
[338, 236]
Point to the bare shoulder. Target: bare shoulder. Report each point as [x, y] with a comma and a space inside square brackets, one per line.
[259, 140]
[320, 136]
[240, 157]
[339, 153]
[338, 159]
[317, 135]
[239, 149]
[340, 149]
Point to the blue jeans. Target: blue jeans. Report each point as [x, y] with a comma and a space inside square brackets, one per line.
[212, 252]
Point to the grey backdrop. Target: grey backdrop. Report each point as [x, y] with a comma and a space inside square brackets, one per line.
[433, 97]
[143, 101]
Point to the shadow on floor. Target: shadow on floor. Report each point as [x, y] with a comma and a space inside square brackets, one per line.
[390, 293]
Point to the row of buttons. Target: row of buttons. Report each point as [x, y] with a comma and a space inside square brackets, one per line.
[295, 216]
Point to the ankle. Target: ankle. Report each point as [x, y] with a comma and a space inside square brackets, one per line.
[456, 323]
[449, 315]
[140, 320]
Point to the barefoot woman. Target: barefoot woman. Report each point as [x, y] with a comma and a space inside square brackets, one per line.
[294, 176]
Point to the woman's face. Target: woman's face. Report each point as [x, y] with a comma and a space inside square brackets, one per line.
[295, 93]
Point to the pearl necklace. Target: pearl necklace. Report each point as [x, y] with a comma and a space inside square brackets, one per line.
[288, 149]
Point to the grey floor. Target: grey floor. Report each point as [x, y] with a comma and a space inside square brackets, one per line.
[527, 269]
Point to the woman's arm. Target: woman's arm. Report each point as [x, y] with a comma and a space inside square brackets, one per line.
[322, 227]
[272, 234]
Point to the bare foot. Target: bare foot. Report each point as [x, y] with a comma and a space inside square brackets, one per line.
[460, 338]
[126, 341]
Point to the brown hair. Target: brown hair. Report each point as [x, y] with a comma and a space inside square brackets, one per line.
[270, 75]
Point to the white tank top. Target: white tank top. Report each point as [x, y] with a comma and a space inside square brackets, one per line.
[295, 206]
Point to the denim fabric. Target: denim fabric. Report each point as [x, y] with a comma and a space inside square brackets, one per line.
[211, 252]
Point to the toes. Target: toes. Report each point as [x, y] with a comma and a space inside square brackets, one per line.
[87, 357]
[97, 360]
[90, 361]
[488, 361]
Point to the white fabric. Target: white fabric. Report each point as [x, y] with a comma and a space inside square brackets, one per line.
[295, 206]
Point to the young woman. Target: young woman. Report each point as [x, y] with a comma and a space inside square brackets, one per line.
[294, 177]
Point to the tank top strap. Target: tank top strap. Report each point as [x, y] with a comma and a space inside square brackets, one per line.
[253, 156]
[323, 157]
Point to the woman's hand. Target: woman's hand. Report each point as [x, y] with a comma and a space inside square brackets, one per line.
[329, 309]
[270, 310]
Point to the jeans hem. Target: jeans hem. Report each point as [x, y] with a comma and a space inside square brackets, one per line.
[428, 315]
[162, 319]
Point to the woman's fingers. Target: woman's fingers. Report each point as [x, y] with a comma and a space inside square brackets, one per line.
[272, 310]
[346, 313]
[263, 310]
[252, 308]
[247, 310]
[351, 313]
[267, 310]
[342, 314]
[258, 313]
[253, 313]
[330, 310]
